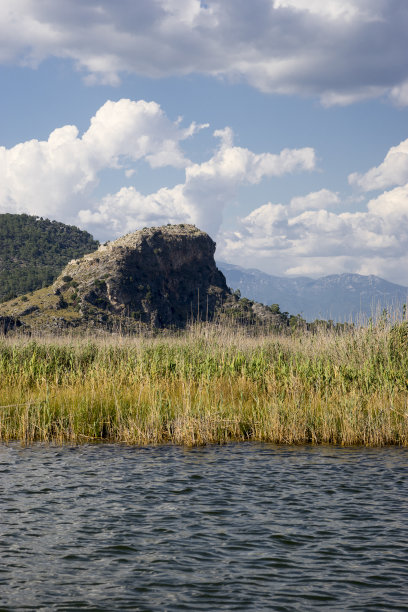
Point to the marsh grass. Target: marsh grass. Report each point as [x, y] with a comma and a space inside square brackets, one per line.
[209, 385]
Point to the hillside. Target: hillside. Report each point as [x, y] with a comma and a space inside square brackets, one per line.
[33, 252]
[159, 277]
[339, 297]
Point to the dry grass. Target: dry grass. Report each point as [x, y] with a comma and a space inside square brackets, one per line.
[208, 385]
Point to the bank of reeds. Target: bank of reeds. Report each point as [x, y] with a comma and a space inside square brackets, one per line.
[209, 385]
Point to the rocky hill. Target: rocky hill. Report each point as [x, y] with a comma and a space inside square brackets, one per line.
[158, 277]
[161, 276]
[33, 252]
[341, 297]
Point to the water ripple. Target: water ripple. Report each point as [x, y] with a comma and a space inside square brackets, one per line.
[239, 527]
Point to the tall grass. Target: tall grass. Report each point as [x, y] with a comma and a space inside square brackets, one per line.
[208, 385]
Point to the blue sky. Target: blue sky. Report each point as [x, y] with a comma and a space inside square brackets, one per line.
[278, 126]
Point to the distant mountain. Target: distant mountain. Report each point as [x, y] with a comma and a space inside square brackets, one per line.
[340, 297]
[33, 251]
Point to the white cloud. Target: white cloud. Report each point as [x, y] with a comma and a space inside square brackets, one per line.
[127, 210]
[279, 240]
[333, 9]
[392, 171]
[399, 94]
[339, 50]
[55, 177]
[315, 200]
[208, 188]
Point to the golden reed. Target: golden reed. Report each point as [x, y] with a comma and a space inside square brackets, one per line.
[209, 384]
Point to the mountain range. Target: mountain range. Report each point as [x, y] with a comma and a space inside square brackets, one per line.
[340, 297]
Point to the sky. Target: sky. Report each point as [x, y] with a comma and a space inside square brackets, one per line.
[277, 126]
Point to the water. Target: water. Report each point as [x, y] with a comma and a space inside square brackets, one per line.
[239, 527]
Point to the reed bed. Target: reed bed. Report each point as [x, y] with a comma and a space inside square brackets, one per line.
[209, 385]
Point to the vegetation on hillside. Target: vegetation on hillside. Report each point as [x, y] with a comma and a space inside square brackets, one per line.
[33, 251]
[211, 384]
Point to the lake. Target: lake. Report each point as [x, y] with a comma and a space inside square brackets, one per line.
[235, 527]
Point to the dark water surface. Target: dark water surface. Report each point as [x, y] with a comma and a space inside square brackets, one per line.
[239, 527]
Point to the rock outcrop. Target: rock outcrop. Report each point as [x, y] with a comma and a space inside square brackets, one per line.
[160, 277]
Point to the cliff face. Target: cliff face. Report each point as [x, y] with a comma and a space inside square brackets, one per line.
[161, 276]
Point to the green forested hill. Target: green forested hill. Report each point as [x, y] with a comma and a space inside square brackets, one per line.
[33, 252]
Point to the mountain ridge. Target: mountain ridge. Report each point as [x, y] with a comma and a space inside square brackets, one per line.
[339, 297]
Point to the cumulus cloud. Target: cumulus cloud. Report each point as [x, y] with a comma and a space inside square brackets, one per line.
[288, 239]
[318, 234]
[208, 188]
[392, 171]
[55, 177]
[339, 50]
[315, 200]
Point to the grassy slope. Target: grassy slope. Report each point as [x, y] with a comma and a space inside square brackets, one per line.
[44, 301]
[39, 312]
